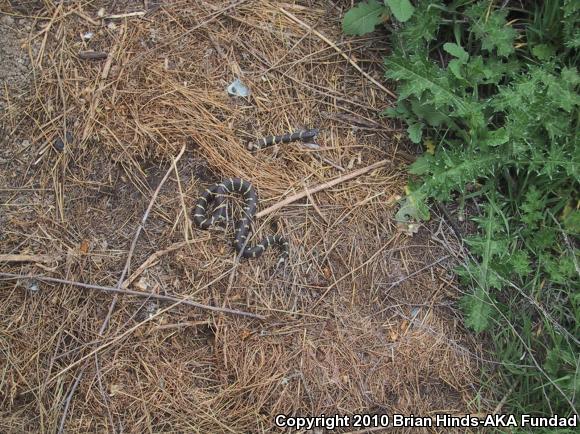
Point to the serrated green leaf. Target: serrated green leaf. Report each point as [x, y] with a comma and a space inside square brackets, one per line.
[543, 51]
[415, 132]
[417, 76]
[363, 18]
[412, 208]
[520, 263]
[401, 9]
[492, 29]
[478, 310]
[495, 138]
[455, 66]
[421, 165]
[428, 113]
[457, 51]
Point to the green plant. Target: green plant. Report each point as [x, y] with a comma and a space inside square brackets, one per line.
[495, 85]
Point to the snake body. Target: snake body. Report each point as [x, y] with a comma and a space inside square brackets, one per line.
[285, 138]
[216, 195]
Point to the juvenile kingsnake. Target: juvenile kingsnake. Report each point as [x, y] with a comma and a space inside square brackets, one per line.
[284, 138]
[217, 195]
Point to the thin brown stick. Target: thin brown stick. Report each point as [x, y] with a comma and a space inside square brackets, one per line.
[27, 258]
[186, 220]
[93, 55]
[126, 15]
[320, 187]
[136, 326]
[68, 400]
[500, 404]
[134, 242]
[311, 200]
[115, 290]
[125, 268]
[339, 51]
[85, 17]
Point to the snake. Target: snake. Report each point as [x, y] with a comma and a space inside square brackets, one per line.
[284, 138]
[216, 196]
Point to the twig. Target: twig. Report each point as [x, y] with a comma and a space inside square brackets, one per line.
[500, 405]
[187, 221]
[98, 92]
[93, 55]
[115, 290]
[46, 30]
[450, 220]
[150, 318]
[339, 51]
[85, 17]
[311, 200]
[127, 262]
[323, 186]
[27, 258]
[68, 400]
[126, 15]
[144, 219]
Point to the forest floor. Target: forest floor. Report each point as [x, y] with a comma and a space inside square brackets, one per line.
[363, 318]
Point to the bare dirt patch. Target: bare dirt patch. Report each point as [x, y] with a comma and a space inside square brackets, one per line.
[361, 320]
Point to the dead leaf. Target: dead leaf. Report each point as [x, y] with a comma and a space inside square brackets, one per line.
[84, 247]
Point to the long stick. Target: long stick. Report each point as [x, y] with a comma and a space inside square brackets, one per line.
[117, 289]
[135, 293]
[27, 258]
[319, 187]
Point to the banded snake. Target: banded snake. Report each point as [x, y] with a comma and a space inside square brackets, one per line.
[285, 138]
[216, 195]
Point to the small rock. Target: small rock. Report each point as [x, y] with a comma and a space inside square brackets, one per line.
[32, 286]
[237, 88]
[58, 144]
[7, 20]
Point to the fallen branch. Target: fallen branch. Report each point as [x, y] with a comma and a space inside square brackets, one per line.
[112, 289]
[126, 15]
[320, 187]
[117, 290]
[93, 55]
[27, 258]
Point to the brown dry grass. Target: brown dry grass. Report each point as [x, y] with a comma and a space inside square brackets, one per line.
[347, 331]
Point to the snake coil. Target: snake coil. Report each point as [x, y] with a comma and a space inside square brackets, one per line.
[216, 195]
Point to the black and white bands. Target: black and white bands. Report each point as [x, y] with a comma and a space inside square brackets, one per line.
[215, 196]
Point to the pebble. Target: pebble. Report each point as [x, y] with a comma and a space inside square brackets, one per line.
[7, 20]
[59, 143]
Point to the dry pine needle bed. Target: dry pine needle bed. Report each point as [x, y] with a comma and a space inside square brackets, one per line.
[360, 320]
